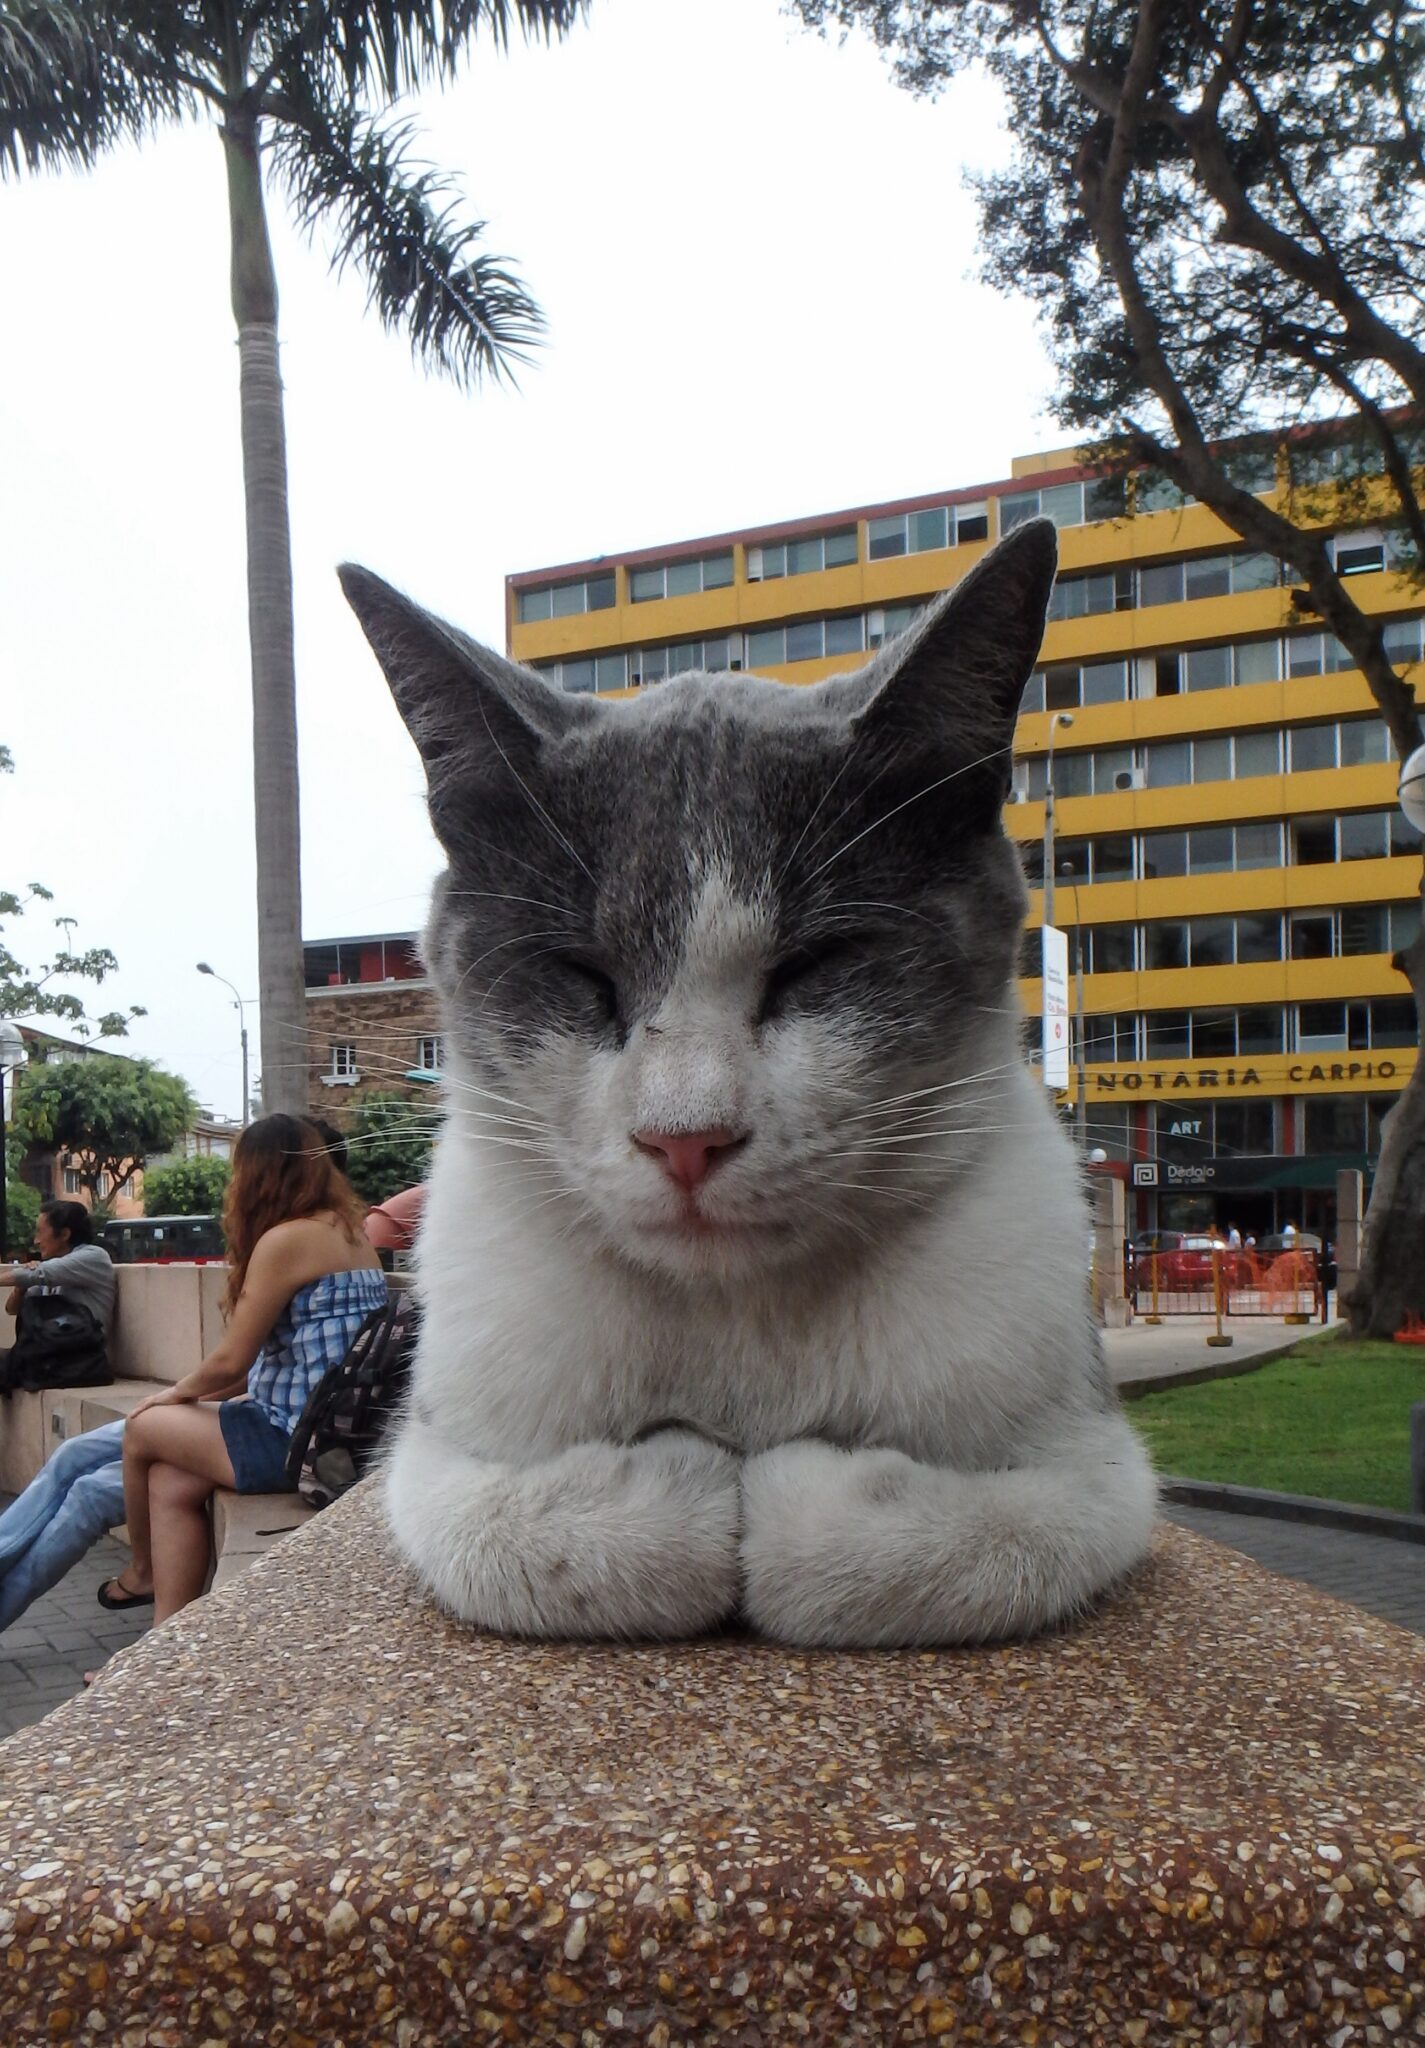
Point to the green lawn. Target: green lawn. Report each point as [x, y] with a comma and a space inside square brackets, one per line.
[1332, 1418]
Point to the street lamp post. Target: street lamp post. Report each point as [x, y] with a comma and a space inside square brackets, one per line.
[13, 1056]
[204, 968]
[1060, 720]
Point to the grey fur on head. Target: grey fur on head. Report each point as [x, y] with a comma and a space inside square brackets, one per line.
[738, 1136]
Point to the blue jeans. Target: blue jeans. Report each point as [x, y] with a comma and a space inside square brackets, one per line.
[62, 1513]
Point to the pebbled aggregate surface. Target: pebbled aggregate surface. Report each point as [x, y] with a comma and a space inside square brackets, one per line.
[312, 1812]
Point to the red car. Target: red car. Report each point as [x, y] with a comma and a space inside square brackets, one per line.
[1188, 1267]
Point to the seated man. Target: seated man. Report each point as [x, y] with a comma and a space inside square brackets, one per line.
[70, 1264]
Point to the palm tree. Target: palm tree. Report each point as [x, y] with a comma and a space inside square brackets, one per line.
[301, 89]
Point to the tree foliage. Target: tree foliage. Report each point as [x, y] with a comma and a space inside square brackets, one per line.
[106, 1113]
[389, 1145]
[1219, 208]
[36, 989]
[190, 1187]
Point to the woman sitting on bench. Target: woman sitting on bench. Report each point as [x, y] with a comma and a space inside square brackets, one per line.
[304, 1278]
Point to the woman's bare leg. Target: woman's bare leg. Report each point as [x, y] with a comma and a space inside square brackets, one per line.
[187, 1436]
[182, 1538]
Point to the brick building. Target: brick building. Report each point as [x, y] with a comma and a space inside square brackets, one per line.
[372, 1024]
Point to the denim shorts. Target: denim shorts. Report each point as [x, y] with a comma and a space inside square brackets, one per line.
[256, 1447]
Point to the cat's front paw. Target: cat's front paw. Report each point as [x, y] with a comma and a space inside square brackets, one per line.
[803, 1580]
[870, 1548]
[601, 1540]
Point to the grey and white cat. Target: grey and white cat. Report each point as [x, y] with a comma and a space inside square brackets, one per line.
[753, 1264]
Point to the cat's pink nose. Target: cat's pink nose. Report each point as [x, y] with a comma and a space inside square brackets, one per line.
[688, 1157]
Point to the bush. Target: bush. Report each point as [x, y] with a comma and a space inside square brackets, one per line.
[192, 1187]
[389, 1144]
[22, 1213]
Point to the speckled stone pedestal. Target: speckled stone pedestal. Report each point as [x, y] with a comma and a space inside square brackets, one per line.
[312, 1812]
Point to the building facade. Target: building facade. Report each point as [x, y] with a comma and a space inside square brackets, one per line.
[1229, 854]
[372, 1024]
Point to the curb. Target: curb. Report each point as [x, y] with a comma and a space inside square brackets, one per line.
[1294, 1507]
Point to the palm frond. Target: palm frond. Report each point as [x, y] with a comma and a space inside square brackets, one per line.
[385, 48]
[465, 314]
[75, 80]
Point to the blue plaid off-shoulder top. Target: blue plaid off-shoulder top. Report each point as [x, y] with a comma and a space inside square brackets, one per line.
[311, 1335]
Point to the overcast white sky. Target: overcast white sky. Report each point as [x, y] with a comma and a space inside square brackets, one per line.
[756, 260]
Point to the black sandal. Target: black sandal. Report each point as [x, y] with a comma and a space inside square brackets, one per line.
[116, 1605]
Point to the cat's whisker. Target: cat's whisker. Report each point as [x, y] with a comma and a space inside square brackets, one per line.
[532, 800]
[864, 1187]
[512, 1144]
[996, 754]
[504, 896]
[976, 1080]
[494, 1116]
[519, 939]
[815, 813]
[895, 910]
[462, 1087]
[893, 760]
[839, 1219]
[542, 953]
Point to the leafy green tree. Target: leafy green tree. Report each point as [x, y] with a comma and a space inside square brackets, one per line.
[35, 990]
[190, 1187]
[104, 1113]
[299, 89]
[389, 1145]
[1218, 207]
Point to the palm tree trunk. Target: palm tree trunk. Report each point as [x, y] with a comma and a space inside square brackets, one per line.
[281, 990]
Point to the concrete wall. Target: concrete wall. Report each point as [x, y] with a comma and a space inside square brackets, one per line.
[168, 1319]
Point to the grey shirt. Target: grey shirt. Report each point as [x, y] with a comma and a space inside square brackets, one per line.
[85, 1275]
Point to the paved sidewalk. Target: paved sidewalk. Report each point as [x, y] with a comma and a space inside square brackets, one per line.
[1385, 1577]
[1178, 1345]
[44, 1656]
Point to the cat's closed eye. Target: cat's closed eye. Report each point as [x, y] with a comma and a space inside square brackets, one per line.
[595, 984]
[798, 972]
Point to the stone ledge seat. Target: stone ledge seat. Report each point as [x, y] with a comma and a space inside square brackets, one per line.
[312, 1810]
[33, 1425]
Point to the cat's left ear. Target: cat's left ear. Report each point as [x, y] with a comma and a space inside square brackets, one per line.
[952, 684]
[479, 721]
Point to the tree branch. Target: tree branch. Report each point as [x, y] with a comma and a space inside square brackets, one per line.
[1321, 273]
[1193, 465]
[1396, 466]
[1229, 51]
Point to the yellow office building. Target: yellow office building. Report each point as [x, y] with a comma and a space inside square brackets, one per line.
[1229, 850]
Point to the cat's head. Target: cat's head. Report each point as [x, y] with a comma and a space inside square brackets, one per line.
[727, 970]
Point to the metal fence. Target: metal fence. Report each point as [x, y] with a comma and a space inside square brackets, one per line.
[1289, 1285]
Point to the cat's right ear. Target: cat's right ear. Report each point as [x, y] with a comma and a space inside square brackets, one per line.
[478, 720]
